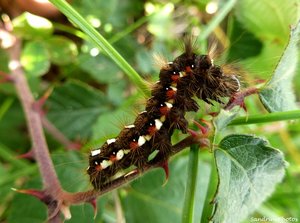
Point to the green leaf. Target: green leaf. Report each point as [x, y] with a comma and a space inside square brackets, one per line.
[13, 121]
[70, 168]
[278, 94]
[249, 169]
[148, 198]
[245, 44]
[100, 68]
[108, 125]
[74, 107]
[116, 91]
[262, 65]
[268, 19]
[30, 26]
[62, 50]
[35, 59]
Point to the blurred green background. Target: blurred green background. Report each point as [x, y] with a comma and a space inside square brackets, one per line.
[92, 99]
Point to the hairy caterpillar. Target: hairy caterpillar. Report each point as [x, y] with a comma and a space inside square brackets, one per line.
[187, 76]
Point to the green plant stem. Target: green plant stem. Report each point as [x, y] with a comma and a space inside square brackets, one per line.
[217, 19]
[271, 117]
[189, 202]
[102, 43]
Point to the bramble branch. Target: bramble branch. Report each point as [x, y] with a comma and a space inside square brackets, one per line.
[51, 184]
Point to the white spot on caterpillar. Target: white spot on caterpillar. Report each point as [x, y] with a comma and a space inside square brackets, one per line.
[158, 124]
[173, 88]
[105, 164]
[142, 112]
[169, 105]
[141, 140]
[95, 152]
[96, 163]
[170, 63]
[110, 141]
[148, 137]
[129, 126]
[120, 154]
[182, 74]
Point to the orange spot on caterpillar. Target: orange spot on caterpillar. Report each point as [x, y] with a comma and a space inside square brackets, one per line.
[113, 158]
[171, 92]
[188, 69]
[151, 130]
[98, 167]
[133, 145]
[175, 77]
[164, 109]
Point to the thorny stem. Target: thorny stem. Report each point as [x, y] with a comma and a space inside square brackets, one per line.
[238, 98]
[40, 147]
[51, 183]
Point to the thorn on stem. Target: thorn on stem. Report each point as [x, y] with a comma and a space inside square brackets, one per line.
[28, 155]
[204, 129]
[193, 133]
[65, 210]
[38, 105]
[239, 98]
[39, 194]
[6, 78]
[213, 114]
[74, 146]
[93, 202]
[165, 166]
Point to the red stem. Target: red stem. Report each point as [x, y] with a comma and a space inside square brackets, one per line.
[51, 183]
